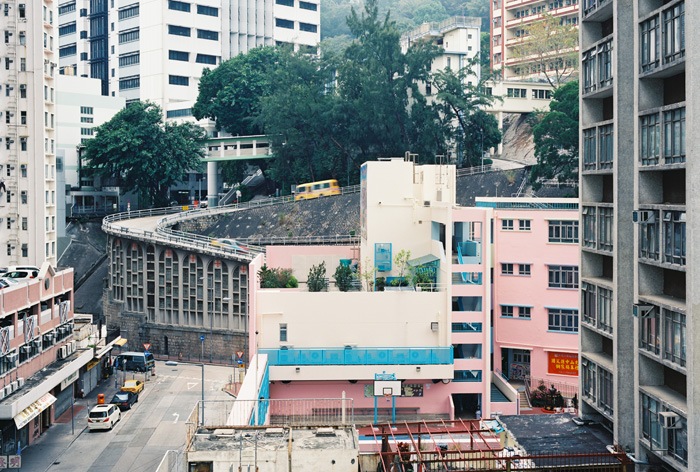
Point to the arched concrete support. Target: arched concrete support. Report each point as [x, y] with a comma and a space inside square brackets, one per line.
[212, 184]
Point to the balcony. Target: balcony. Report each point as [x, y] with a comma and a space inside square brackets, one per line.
[596, 10]
[596, 65]
[662, 135]
[662, 237]
[662, 40]
[598, 147]
[359, 356]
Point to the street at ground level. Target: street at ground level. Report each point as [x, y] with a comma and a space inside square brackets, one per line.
[139, 441]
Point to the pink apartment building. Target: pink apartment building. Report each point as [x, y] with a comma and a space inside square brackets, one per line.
[535, 289]
[39, 360]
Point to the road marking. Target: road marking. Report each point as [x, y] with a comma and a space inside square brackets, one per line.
[177, 417]
[191, 385]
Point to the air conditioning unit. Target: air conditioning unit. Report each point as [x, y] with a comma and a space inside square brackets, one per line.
[62, 352]
[22, 86]
[26, 348]
[73, 345]
[20, 382]
[48, 337]
[642, 311]
[7, 390]
[669, 420]
[12, 357]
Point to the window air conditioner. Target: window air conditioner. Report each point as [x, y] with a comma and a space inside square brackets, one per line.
[20, 382]
[26, 348]
[12, 357]
[669, 420]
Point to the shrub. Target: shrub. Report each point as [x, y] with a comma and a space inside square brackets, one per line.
[316, 281]
[277, 278]
[344, 277]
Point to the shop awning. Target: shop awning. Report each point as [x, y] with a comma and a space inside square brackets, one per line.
[33, 410]
[121, 342]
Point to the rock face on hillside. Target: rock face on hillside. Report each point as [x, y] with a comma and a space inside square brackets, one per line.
[518, 145]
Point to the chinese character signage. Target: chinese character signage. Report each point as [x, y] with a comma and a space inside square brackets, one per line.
[562, 363]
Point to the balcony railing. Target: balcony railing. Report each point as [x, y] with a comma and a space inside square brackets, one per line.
[360, 356]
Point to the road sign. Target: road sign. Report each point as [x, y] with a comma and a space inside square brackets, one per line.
[239, 361]
[239, 354]
[147, 346]
[201, 338]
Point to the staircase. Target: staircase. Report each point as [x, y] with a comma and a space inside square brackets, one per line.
[524, 404]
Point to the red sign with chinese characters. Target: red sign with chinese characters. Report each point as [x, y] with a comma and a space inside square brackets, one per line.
[562, 363]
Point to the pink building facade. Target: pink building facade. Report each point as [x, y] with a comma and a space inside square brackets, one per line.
[535, 289]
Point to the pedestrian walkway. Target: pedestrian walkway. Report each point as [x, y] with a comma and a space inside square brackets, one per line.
[50, 446]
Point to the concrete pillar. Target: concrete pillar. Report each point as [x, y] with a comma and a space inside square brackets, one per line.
[212, 184]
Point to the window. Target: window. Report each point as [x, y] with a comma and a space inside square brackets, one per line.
[66, 29]
[86, 131]
[563, 276]
[129, 59]
[674, 136]
[649, 331]
[467, 351]
[23, 197]
[589, 149]
[83, 35]
[517, 93]
[467, 376]
[70, 50]
[286, 3]
[205, 59]
[83, 56]
[206, 34]
[308, 27]
[674, 33]
[129, 36]
[649, 139]
[25, 223]
[524, 225]
[674, 337]
[589, 303]
[283, 332]
[25, 250]
[178, 55]
[179, 30]
[507, 225]
[605, 228]
[178, 113]
[563, 231]
[86, 110]
[674, 237]
[63, 9]
[83, 12]
[179, 6]
[539, 94]
[208, 11]
[507, 269]
[178, 80]
[563, 320]
[605, 146]
[525, 312]
[129, 83]
[605, 64]
[308, 6]
[649, 44]
[524, 269]
[282, 23]
[128, 12]
[466, 327]
[507, 311]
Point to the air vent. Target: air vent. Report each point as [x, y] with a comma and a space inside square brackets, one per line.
[325, 432]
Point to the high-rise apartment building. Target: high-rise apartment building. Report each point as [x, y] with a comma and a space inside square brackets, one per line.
[157, 50]
[27, 121]
[637, 329]
[510, 27]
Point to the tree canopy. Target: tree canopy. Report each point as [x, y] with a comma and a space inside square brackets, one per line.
[362, 99]
[556, 138]
[144, 154]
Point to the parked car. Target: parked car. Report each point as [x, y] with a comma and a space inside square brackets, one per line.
[5, 270]
[133, 386]
[103, 417]
[125, 400]
[21, 274]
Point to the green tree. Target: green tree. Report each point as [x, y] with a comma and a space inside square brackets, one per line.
[556, 138]
[461, 103]
[551, 46]
[142, 153]
[344, 277]
[231, 94]
[316, 280]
